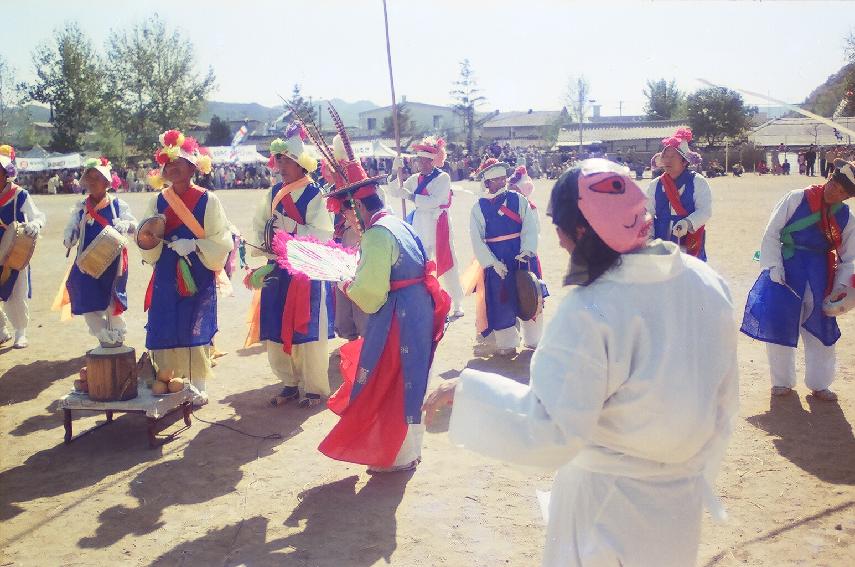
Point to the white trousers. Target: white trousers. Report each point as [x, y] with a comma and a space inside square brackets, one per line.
[105, 326]
[450, 282]
[819, 359]
[308, 362]
[411, 448]
[510, 338]
[819, 363]
[15, 310]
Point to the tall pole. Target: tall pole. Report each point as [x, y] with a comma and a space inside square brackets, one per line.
[394, 103]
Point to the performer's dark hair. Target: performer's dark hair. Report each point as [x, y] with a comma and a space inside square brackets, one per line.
[591, 252]
[372, 203]
[844, 182]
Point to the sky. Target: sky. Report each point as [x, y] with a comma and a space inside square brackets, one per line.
[523, 52]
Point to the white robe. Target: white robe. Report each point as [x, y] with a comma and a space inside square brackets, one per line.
[632, 392]
[428, 208]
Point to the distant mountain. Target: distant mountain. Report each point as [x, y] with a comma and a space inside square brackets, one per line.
[825, 98]
[349, 111]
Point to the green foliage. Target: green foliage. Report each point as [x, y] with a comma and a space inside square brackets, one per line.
[664, 100]
[467, 97]
[406, 125]
[219, 133]
[153, 83]
[718, 113]
[69, 79]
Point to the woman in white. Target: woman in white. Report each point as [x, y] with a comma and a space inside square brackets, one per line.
[632, 388]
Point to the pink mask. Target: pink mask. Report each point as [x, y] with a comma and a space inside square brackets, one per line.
[614, 205]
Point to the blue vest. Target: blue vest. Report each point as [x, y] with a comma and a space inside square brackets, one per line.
[175, 321]
[89, 294]
[501, 294]
[413, 308]
[663, 220]
[772, 312]
[11, 212]
[276, 285]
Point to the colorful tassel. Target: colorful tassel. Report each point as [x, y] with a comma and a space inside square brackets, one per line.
[186, 283]
[256, 278]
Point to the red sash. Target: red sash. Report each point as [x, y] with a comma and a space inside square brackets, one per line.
[297, 312]
[290, 208]
[93, 213]
[9, 194]
[441, 299]
[510, 214]
[694, 241]
[444, 258]
[830, 229]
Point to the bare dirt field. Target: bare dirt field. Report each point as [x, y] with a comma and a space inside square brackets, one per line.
[214, 496]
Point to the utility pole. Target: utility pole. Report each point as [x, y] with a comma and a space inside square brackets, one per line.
[620, 108]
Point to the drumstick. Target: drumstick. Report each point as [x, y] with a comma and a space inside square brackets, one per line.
[67, 251]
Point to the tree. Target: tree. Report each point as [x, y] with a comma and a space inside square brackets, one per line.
[576, 98]
[219, 133]
[153, 82]
[718, 113]
[305, 109]
[8, 96]
[664, 100]
[69, 79]
[406, 125]
[467, 100]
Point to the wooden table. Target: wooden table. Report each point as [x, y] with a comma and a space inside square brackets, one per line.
[155, 408]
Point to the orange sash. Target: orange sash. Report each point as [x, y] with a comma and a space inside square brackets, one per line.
[180, 209]
[287, 190]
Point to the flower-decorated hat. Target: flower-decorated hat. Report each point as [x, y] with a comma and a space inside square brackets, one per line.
[433, 148]
[7, 161]
[176, 145]
[520, 181]
[680, 142]
[294, 147]
[101, 165]
[490, 168]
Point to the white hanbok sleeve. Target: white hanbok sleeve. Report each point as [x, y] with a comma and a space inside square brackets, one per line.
[32, 212]
[544, 424]
[440, 189]
[651, 197]
[403, 190]
[126, 215]
[477, 231]
[319, 221]
[72, 227]
[846, 253]
[215, 247]
[151, 257]
[703, 203]
[529, 233]
[261, 216]
[770, 247]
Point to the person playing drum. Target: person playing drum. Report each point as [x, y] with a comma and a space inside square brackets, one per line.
[99, 221]
[16, 207]
[181, 299]
[504, 237]
[296, 315]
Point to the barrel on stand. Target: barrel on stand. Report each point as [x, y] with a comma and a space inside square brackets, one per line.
[112, 374]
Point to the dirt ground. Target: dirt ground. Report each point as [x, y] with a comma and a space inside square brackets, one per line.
[216, 497]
